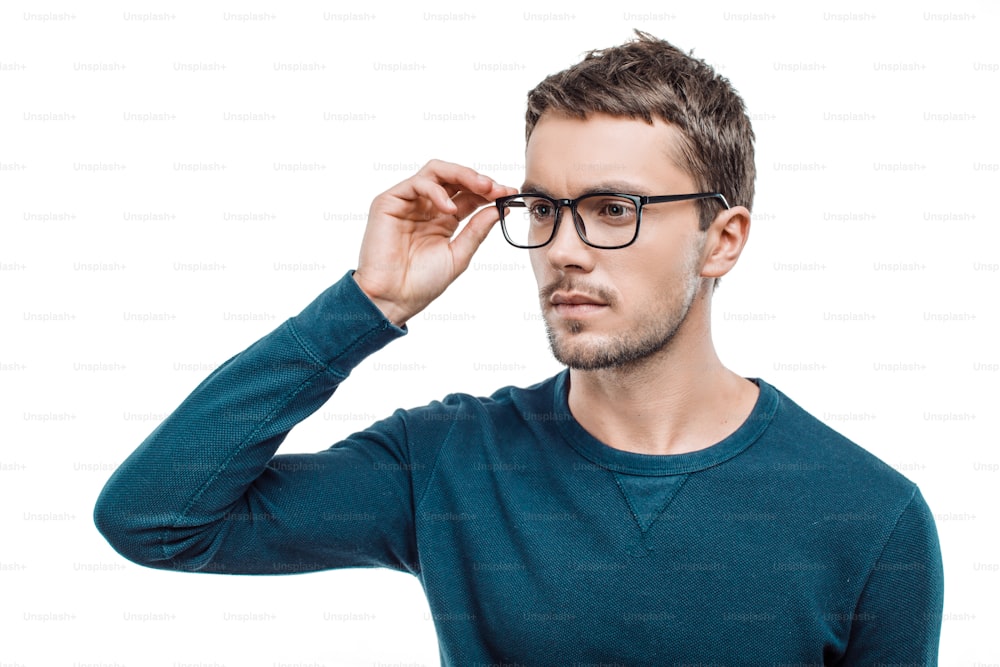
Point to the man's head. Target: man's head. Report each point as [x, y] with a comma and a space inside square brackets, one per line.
[641, 119]
[649, 78]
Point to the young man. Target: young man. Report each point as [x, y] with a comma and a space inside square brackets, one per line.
[646, 506]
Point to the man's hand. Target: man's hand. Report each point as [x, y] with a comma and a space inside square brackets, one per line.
[408, 256]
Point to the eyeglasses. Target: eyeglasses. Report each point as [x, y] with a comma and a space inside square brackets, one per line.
[607, 220]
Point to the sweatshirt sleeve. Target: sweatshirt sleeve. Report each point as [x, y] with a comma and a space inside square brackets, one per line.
[204, 492]
[898, 618]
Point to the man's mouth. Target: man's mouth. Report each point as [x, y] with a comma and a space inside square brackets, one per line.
[576, 304]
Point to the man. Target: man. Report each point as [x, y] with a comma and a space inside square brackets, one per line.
[646, 506]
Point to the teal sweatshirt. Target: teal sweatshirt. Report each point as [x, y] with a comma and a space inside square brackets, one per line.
[535, 543]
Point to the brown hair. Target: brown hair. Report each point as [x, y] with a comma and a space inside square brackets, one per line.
[650, 78]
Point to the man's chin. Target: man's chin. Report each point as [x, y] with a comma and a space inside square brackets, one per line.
[590, 351]
[579, 361]
[585, 355]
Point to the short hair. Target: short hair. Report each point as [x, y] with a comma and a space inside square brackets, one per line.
[650, 78]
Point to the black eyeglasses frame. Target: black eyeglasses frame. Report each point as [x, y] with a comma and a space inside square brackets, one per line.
[638, 200]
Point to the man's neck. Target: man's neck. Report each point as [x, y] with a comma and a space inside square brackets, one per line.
[679, 400]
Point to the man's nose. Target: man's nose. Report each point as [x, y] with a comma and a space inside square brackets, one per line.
[567, 248]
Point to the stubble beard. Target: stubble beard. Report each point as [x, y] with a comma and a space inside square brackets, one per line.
[653, 333]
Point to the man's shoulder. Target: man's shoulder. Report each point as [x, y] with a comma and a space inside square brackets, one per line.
[801, 441]
[505, 402]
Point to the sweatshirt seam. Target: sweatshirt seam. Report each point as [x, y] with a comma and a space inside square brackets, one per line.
[251, 436]
[878, 559]
[434, 467]
[314, 354]
[662, 506]
[414, 567]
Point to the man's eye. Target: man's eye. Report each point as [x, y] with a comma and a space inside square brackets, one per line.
[541, 210]
[616, 209]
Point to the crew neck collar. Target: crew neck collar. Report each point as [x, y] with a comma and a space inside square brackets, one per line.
[633, 463]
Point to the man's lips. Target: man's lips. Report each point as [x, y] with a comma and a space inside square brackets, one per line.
[574, 299]
[575, 304]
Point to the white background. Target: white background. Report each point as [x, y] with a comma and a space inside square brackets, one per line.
[867, 291]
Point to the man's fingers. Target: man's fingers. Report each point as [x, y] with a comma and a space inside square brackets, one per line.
[439, 182]
[466, 178]
[421, 189]
[414, 224]
[465, 244]
[467, 202]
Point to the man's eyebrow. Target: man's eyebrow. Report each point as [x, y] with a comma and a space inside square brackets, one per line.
[533, 189]
[608, 186]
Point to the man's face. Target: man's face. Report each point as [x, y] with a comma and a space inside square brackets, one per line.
[608, 308]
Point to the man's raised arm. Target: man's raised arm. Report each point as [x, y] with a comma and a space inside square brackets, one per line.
[205, 492]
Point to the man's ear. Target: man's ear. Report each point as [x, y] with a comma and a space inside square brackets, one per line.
[726, 237]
